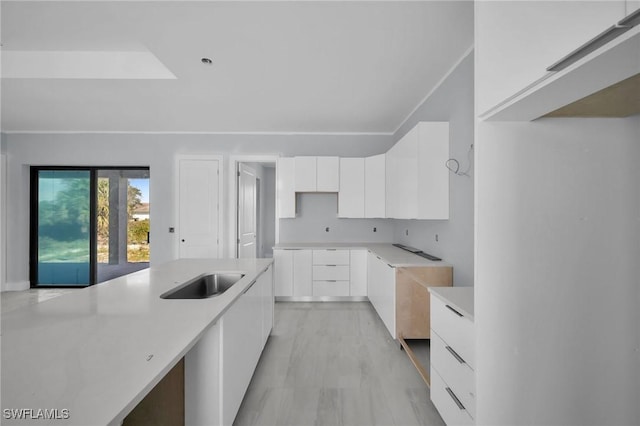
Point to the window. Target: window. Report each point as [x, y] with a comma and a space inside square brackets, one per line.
[88, 224]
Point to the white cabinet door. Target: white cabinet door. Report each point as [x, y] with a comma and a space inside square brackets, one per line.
[433, 176]
[198, 201]
[387, 304]
[302, 273]
[241, 339]
[372, 279]
[265, 282]
[358, 275]
[202, 378]
[517, 51]
[416, 176]
[328, 174]
[382, 291]
[374, 186]
[352, 188]
[218, 369]
[305, 174]
[283, 272]
[402, 177]
[285, 190]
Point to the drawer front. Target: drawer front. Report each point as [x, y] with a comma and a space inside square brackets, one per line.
[331, 288]
[455, 330]
[331, 257]
[458, 375]
[326, 272]
[444, 400]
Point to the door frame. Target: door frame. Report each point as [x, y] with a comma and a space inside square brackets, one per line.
[176, 199]
[232, 211]
[248, 169]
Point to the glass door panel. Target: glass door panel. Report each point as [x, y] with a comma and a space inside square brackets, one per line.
[64, 228]
[122, 215]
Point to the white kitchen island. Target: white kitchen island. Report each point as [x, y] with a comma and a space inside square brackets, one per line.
[90, 356]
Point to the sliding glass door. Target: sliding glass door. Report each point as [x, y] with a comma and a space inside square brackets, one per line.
[63, 254]
[88, 225]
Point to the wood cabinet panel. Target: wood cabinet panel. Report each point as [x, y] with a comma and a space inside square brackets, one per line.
[164, 404]
[413, 299]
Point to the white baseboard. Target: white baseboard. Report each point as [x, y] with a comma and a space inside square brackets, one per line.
[16, 286]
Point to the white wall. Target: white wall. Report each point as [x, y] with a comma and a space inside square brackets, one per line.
[453, 102]
[156, 151]
[557, 273]
[269, 211]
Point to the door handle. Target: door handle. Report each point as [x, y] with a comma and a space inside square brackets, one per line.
[454, 311]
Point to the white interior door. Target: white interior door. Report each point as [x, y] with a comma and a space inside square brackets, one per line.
[199, 208]
[247, 221]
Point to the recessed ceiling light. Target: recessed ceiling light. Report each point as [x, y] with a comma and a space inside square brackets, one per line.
[206, 61]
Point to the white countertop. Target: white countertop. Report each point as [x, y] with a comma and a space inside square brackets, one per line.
[97, 351]
[459, 298]
[394, 256]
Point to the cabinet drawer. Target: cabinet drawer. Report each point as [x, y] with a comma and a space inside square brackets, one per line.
[331, 257]
[455, 329]
[331, 272]
[331, 288]
[445, 401]
[458, 375]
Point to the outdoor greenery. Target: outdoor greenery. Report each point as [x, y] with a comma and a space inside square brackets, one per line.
[64, 224]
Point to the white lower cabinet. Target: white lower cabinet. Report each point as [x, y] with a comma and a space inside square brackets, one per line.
[381, 289]
[241, 338]
[265, 282]
[320, 272]
[219, 367]
[330, 273]
[358, 275]
[292, 272]
[446, 401]
[452, 363]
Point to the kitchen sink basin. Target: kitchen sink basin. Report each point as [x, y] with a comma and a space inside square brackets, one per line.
[203, 286]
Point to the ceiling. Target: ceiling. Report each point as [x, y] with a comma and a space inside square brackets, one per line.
[291, 67]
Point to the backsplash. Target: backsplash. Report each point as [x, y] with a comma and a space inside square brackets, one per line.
[319, 211]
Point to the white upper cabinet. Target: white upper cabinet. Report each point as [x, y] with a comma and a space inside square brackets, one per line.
[305, 174]
[328, 174]
[285, 191]
[402, 177]
[433, 176]
[374, 186]
[351, 198]
[317, 174]
[516, 52]
[417, 180]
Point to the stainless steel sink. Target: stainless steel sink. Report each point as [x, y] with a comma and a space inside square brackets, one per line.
[203, 286]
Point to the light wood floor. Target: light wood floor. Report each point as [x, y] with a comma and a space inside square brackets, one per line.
[334, 364]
